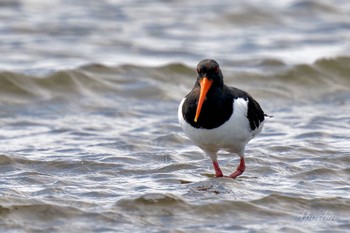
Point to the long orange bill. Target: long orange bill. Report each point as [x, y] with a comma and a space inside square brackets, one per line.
[205, 84]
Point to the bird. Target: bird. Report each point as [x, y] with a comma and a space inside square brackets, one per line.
[217, 117]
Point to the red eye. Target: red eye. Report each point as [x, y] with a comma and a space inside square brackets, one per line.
[216, 69]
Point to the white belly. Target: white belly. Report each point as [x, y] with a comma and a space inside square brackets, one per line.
[231, 136]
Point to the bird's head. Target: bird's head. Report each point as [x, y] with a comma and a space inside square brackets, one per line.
[209, 76]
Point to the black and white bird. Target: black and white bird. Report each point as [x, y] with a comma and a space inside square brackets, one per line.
[217, 117]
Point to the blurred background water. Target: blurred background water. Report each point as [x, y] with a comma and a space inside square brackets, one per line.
[90, 142]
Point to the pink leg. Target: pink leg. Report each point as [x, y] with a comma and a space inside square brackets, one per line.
[218, 172]
[240, 169]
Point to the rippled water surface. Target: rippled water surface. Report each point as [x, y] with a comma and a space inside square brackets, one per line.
[88, 122]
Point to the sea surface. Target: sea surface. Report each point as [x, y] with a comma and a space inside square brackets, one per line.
[89, 138]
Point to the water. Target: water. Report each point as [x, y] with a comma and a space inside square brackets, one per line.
[89, 135]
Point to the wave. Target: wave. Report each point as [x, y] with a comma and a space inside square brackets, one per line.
[173, 81]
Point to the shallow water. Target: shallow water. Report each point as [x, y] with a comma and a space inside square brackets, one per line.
[42, 36]
[107, 153]
[97, 148]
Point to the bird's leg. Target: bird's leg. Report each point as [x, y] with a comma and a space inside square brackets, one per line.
[218, 172]
[240, 169]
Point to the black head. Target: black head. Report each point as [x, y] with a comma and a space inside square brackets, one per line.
[209, 80]
[210, 69]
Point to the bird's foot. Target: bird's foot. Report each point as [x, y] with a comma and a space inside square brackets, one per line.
[236, 173]
[240, 169]
[218, 172]
[218, 175]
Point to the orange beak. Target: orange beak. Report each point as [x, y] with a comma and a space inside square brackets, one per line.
[205, 84]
